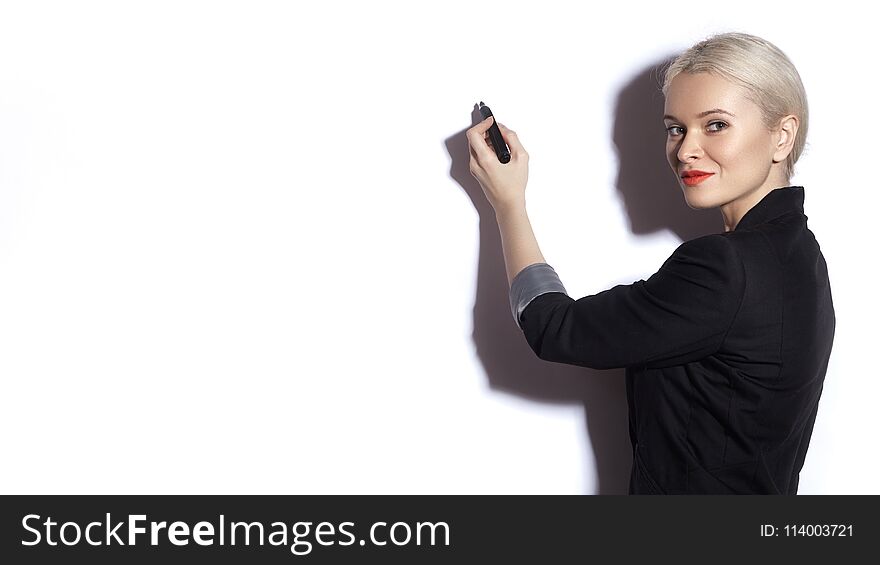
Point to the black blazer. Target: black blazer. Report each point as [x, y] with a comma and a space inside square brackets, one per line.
[725, 348]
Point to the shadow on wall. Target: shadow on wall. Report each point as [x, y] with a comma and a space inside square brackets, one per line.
[653, 201]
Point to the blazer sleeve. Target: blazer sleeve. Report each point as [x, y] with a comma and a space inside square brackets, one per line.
[680, 314]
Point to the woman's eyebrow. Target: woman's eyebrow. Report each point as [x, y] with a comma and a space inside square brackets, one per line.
[706, 113]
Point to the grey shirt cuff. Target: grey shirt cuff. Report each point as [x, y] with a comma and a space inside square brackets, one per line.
[531, 282]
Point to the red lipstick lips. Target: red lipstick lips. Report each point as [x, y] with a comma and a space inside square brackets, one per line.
[694, 177]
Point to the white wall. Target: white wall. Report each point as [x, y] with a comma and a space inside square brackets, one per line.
[241, 250]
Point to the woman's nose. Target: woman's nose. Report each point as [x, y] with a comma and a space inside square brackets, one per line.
[689, 148]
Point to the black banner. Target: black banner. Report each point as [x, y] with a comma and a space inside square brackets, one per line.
[433, 529]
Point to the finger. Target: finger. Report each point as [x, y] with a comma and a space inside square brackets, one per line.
[474, 167]
[474, 156]
[512, 141]
[477, 137]
[476, 159]
[484, 125]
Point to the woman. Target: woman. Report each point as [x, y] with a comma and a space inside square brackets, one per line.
[726, 346]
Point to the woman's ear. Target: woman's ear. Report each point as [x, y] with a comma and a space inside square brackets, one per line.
[786, 134]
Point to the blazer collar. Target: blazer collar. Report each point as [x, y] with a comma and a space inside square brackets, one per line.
[776, 203]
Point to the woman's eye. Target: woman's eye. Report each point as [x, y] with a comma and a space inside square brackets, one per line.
[670, 129]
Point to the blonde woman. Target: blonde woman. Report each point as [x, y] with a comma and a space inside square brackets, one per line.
[726, 346]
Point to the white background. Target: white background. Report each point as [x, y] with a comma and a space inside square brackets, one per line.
[241, 250]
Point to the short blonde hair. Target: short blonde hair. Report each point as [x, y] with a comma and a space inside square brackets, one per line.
[768, 76]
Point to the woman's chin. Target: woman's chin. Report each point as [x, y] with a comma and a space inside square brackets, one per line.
[697, 200]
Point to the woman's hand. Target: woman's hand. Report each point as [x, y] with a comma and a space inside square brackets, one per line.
[503, 183]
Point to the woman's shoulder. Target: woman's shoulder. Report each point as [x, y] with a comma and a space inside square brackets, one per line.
[708, 257]
[717, 245]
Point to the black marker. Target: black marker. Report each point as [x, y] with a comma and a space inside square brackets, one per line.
[495, 136]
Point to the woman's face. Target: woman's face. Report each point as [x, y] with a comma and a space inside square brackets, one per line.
[735, 146]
